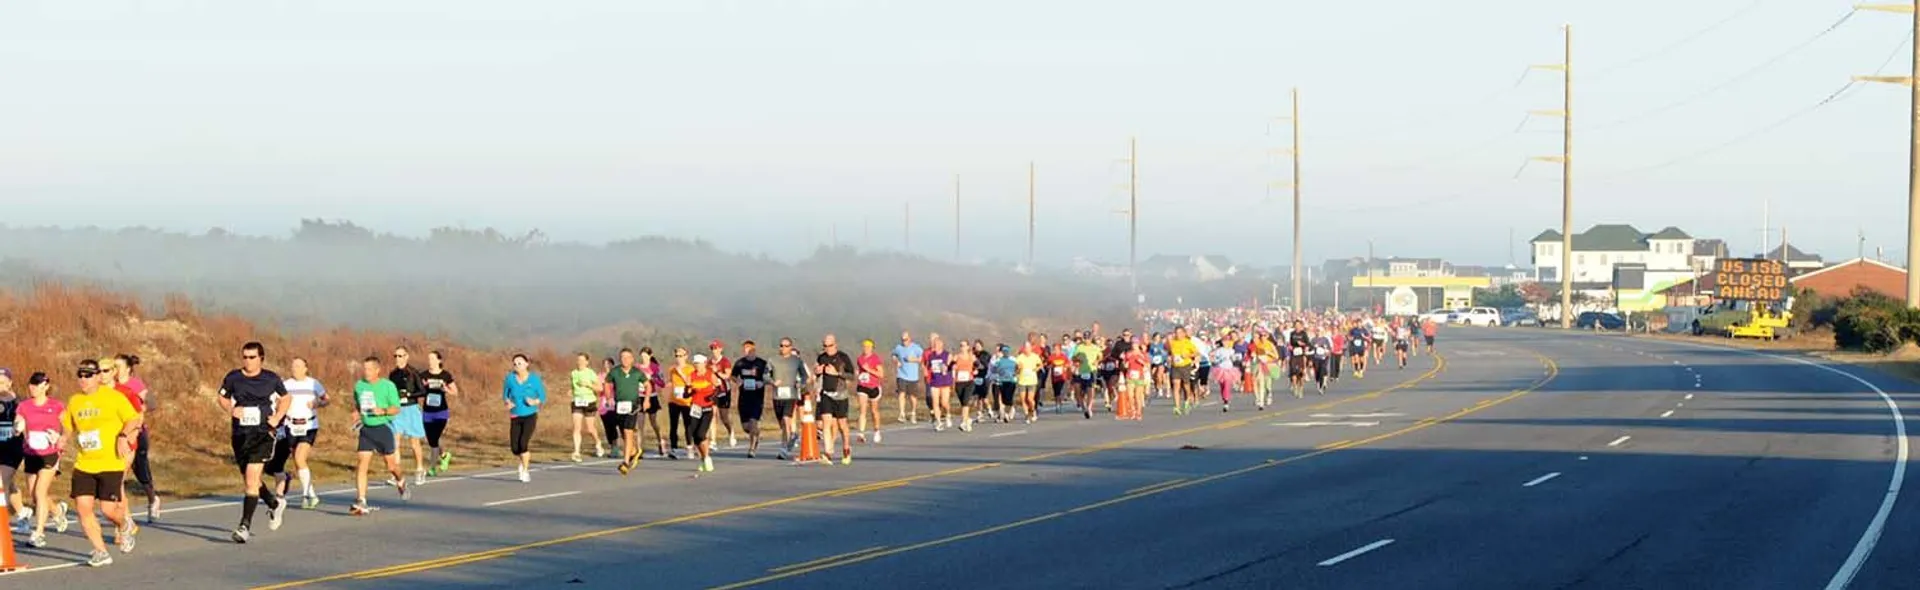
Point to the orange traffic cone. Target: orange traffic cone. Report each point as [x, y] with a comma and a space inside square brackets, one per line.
[809, 435]
[7, 561]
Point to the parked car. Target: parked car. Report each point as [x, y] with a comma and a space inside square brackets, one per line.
[1519, 316]
[1600, 320]
[1478, 316]
[1439, 316]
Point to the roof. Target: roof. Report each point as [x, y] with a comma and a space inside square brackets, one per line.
[1849, 263]
[1610, 238]
[1710, 247]
[1793, 254]
[1546, 236]
[1670, 233]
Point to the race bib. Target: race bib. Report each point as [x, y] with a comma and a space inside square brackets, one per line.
[6, 431]
[695, 411]
[366, 403]
[39, 440]
[783, 392]
[249, 416]
[963, 376]
[623, 407]
[868, 380]
[89, 440]
[749, 383]
[1134, 375]
[680, 392]
[299, 427]
[435, 399]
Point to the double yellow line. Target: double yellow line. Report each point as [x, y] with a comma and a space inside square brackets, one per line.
[1552, 371]
[467, 558]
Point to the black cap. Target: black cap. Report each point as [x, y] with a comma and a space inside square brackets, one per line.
[38, 378]
[88, 368]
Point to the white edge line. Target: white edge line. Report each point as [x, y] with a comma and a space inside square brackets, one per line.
[1540, 480]
[532, 498]
[1689, 396]
[1356, 553]
[1871, 536]
[1616, 442]
[1666, 413]
[1007, 433]
[43, 568]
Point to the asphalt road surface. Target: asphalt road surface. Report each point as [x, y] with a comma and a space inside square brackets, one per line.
[1522, 459]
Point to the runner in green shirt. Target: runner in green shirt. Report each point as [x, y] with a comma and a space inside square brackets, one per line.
[628, 381]
[378, 402]
[586, 403]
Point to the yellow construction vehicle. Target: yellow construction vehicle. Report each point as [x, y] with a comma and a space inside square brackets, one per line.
[1747, 319]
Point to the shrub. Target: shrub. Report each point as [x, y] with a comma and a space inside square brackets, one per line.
[1872, 322]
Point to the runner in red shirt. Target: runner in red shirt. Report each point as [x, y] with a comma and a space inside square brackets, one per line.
[868, 386]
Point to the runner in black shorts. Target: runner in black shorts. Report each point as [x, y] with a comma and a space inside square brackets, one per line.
[789, 374]
[750, 375]
[834, 366]
[256, 400]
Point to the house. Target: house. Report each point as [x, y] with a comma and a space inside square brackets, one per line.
[1705, 253]
[1796, 260]
[1200, 268]
[1665, 253]
[1842, 279]
[1414, 267]
[1084, 267]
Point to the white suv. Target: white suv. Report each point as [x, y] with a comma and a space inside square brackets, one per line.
[1479, 316]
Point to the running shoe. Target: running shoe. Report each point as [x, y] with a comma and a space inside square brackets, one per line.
[446, 461]
[966, 426]
[124, 538]
[706, 464]
[153, 511]
[599, 452]
[242, 535]
[310, 502]
[626, 467]
[406, 491]
[937, 427]
[876, 436]
[576, 457]
[419, 478]
[275, 513]
[60, 520]
[846, 457]
[733, 442]
[860, 437]
[99, 559]
[37, 540]
[525, 476]
[360, 508]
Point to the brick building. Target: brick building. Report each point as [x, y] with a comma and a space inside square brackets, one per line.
[1841, 279]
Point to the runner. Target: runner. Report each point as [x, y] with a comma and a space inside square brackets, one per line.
[789, 373]
[1027, 381]
[723, 394]
[522, 391]
[104, 425]
[440, 387]
[586, 399]
[410, 426]
[1402, 340]
[1005, 372]
[1108, 373]
[939, 377]
[1157, 355]
[44, 434]
[1087, 357]
[750, 374]
[256, 399]
[963, 372]
[12, 452]
[377, 402]
[906, 379]
[628, 383]
[655, 384]
[677, 413]
[1322, 353]
[303, 427]
[834, 366]
[1137, 364]
[982, 388]
[138, 465]
[610, 422]
[1268, 368]
[1225, 373]
[1185, 357]
[702, 383]
[868, 385]
[1429, 329]
[1339, 352]
[1378, 329]
[1358, 337]
[1059, 372]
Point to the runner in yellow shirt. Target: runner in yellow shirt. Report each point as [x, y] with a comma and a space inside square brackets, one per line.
[103, 425]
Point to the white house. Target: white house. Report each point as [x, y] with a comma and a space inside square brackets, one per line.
[1597, 250]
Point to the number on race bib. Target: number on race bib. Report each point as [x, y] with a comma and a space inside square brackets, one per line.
[435, 400]
[299, 427]
[249, 416]
[783, 392]
[623, 407]
[6, 431]
[39, 440]
[680, 392]
[749, 383]
[89, 440]
[366, 403]
[695, 411]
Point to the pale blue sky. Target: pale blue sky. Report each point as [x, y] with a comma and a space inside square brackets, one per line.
[595, 120]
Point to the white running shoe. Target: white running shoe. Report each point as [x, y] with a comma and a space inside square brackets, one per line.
[706, 464]
[876, 436]
[60, 520]
[525, 477]
[275, 513]
[966, 427]
[733, 442]
[419, 478]
[102, 559]
[860, 436]
[938, 427]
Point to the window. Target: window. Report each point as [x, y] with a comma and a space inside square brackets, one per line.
[1579, 259]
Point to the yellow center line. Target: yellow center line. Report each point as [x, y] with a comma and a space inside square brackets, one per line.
[828, 558]
[466, 558]
[1155, 485]
[1334, 444]
[871, 488]
[1553, 370]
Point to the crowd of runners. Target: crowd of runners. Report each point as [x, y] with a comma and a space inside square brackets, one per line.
[686, 403]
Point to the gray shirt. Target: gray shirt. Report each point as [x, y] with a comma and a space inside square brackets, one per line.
[789, 373]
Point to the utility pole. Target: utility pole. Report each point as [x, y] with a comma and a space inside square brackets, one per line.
[1030, 167]
[956, 218]
[1133, 216]
[1565, 112]
[1296, 196]
[833, 235]
[1913, 147]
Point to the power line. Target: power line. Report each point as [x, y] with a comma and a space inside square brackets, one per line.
[1729, 82]
[1682, 42]
[1832, 97]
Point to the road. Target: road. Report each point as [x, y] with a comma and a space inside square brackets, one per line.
[1522, 459]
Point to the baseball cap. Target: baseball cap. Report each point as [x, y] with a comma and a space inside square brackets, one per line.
[716, 344]
[38, 377]
[6, 373]
[700, 359]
